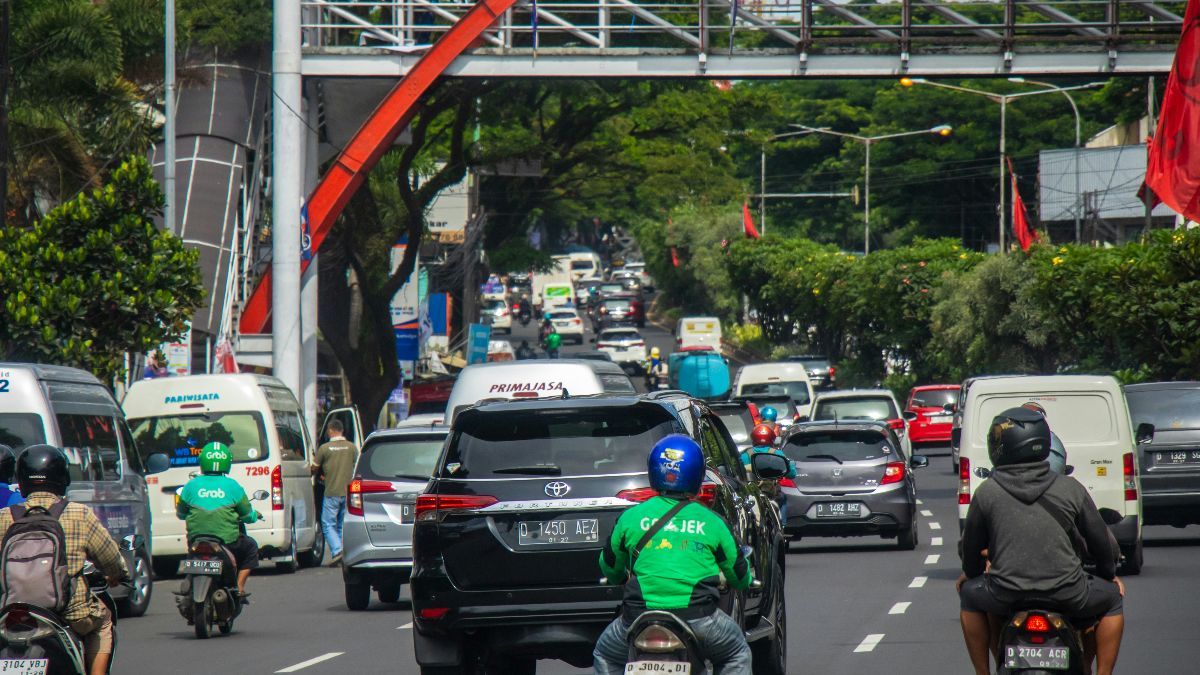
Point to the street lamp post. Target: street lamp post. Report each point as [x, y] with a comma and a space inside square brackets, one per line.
[762, 175]
[868, 141]
[1003, 100]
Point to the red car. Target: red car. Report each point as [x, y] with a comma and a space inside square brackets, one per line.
[929, 419]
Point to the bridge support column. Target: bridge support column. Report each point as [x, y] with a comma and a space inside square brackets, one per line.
[287, 184]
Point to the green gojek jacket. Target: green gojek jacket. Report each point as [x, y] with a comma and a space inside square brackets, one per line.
[679, 567]
[214, 505]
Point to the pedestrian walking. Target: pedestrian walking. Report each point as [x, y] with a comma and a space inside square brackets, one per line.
[155, 367]
[335, 460]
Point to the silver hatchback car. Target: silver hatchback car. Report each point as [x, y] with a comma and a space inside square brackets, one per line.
[852, 479]
[394, 467]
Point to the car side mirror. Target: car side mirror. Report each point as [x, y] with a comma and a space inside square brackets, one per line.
[918, 461]
[910, 416]
[1145, 433]
[260, 495]
[983, 472]
[948, 407]
[801, 418]
[768, 466]
[157, 463]
[955, 437]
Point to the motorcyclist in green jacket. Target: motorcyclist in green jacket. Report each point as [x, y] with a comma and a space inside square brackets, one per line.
[215, 505]
[679, 568]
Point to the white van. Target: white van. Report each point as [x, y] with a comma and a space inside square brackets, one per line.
[548, 378]
[556, 296]
[780, 377]
[1089, 414]
[698, 331]
[259, 419]
[583, 265]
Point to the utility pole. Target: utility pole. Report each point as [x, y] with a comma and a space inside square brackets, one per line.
[5, 34]
[169, 125]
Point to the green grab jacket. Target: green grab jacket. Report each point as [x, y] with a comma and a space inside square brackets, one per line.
[214, 506]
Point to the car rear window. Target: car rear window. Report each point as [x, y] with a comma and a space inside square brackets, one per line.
[863, 408]
[798, 391]
[582, 265]
[617, 304]
[412, 456]
[181, 437]
[557, 442]
[934, 398]
[561, 315]
[1166, 409]
[840, 446]
[19, 430]
[616, 383]
[612, 288]
[492, 305]
[738, 422]
[619, 336]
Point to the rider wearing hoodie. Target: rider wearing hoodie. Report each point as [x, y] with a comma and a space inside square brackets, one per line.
[1035, 526]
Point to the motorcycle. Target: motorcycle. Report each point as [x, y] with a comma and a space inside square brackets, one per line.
[36, 641]
[208, 595]
[524, 313]
[1037, 641]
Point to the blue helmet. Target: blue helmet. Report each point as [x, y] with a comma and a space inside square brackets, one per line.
[768, 414]
[676, 464]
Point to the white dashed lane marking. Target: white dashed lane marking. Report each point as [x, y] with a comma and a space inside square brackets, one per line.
[919, 502]
[936, 541]
[932, 558]
[934, 525]
[868, 643]
[407, 625]
[311, 662]
[926, 512]
[918, 582]
[899, 608]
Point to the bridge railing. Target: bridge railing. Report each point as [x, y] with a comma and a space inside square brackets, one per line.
[720, 26]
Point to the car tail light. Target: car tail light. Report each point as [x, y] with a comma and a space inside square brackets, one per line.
[1130, 479]
[503, 311]
[433, 507]
[1036, 623]
[893, 473]
[897, 425]
[706, 496]
[639, 343]
[787, 482]
[277, 488]
[832, 373]
[433, 613]
[657, 640]
[964, 481]
[525, 394]
[358, 488]
[576, 321]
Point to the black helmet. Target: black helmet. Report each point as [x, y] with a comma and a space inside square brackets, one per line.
[43, 468]
[8, 464]
[1018, 436]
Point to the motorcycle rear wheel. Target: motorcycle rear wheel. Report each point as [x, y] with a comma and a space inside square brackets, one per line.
[200, 620]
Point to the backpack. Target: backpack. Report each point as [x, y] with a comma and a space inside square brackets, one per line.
[33, 559]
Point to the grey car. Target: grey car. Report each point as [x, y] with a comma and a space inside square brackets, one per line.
[852, 479]
[1169, 465]
[394, 467]
[821, 372]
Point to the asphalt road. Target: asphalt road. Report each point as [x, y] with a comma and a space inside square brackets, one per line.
[855, 606]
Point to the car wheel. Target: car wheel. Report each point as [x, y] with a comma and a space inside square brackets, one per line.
[141, 586]
[313, 556]
[358, 596]
[389, 594]
[1133, 560]
[769, 655]
[907, 539]
[291, 562]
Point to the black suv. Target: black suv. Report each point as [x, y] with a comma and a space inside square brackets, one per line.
[508, 534]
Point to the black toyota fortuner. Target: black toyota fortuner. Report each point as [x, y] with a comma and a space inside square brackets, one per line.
[508, 534]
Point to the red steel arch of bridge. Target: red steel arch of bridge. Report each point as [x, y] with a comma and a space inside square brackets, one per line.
[375, 136]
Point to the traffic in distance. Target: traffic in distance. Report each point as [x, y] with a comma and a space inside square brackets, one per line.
[648, 499]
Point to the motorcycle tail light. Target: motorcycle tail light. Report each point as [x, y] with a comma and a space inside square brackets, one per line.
[20, 627]
[657, 639]
[205, 548]
[1036, 623]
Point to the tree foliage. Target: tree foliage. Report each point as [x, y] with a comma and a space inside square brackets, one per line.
[95, 278]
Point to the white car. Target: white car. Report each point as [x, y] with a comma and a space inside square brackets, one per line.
[640, 268]
[567, 323]
[624, 345]
[498, 313]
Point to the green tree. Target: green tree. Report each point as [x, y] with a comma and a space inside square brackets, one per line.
[95, 278]
[699, 234]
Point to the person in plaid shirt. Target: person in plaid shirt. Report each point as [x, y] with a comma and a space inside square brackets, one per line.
[43, 476]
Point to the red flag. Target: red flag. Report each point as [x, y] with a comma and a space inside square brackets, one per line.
[748, 222]
[1025, 236]
[674, 257]
[226, 361]
[1173, 167]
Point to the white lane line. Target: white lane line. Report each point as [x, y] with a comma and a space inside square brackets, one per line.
[934, 525]
[926, 512]
[899, 608]
[407, 625]
[936, 541]
[868, 643]
[311, 662]
[932, 558]
[918, 582]
[920, 503]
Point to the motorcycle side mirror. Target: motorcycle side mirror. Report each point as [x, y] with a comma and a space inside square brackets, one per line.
[133, 542]
[768, 466]
[1145, 433]
[983, 472]
[747, 552]
[260, 495]
[157, 463]
[1111, 517]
